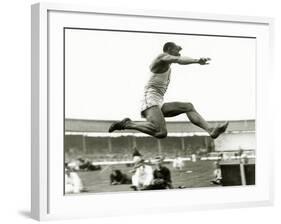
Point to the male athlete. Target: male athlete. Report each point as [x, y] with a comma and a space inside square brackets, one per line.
[153, 108]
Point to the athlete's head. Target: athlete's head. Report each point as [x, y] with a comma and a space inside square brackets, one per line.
[172, 49]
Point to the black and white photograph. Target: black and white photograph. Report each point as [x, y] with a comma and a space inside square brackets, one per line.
[148, 111]
[139, 112]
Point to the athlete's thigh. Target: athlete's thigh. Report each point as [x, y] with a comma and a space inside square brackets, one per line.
[172, 109]
[154, 115]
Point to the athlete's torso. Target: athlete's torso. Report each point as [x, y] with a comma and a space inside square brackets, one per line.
[159, 76]
[159, 81]
[158, 65]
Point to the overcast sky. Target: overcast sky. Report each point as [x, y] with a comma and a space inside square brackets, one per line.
[105, 73]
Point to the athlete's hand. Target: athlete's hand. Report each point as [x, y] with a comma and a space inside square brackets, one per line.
[204, 61]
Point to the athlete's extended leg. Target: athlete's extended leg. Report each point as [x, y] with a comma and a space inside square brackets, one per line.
[154, 126]
[175, 108]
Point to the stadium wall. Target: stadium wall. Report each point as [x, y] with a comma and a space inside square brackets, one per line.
[122, 147]
[90, 137]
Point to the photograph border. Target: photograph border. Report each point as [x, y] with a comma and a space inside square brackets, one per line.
[40, 178]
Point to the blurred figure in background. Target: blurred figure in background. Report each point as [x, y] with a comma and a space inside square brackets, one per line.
[87, 165]
[178, 163]
[217, 174]
[73, 183]
[117, 177]
[136, 155]
[193, 158]
[161, 176]
[143, 176]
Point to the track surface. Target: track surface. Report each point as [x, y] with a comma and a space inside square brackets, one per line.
[194, 175]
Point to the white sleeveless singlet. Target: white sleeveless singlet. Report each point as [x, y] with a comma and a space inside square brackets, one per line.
[159, 81]
[155, 89]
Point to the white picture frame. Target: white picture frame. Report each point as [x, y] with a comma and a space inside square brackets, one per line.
[48, 201]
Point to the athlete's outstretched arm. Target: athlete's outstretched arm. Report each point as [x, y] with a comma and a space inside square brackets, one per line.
[183, 60]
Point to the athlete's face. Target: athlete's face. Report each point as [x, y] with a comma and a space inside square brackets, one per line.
[175, 50]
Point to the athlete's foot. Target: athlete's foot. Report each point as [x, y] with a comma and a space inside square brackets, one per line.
[119, 125]
[217, 131]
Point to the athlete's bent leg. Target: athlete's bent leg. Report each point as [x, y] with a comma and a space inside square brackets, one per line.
[175, 108]
[154, 126]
